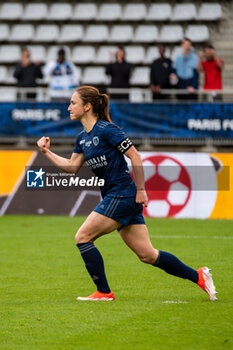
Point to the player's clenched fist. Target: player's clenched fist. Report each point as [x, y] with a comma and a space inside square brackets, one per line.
[141, 197]
[44, 144]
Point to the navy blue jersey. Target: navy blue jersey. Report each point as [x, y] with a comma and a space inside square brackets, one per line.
[103, 149]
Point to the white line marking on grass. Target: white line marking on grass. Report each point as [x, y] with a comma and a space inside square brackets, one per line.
[190, 237]
[185, 237]
[174, 302]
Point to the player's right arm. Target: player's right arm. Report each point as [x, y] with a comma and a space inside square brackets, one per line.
[71, 165]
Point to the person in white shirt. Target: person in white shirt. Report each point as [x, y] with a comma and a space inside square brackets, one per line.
[63, 77]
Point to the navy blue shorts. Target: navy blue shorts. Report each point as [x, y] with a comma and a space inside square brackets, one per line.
[121, 209]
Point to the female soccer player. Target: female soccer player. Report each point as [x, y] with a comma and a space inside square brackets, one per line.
[103, 146]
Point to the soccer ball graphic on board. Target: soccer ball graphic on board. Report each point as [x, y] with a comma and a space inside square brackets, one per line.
[181, 185]
[168, 186]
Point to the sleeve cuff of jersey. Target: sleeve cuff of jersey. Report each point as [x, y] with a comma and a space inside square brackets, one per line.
[124, 145]
[75, 151]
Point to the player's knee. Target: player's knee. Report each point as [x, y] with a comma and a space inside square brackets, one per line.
[149, 258]
[82, 237]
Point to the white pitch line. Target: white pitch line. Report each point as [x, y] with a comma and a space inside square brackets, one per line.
[185, 237]
[190, 237]
[174, 302]
[16, 187]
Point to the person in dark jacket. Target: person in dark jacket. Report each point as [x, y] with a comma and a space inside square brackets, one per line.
[120, 73]
[27, 72]
[160, 71]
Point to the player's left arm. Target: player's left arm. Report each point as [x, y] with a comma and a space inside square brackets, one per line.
[136, 162]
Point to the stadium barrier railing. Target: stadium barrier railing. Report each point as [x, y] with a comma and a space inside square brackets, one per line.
[42, 94]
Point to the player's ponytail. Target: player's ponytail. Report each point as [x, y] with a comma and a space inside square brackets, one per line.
[104, 108]
[99, 102]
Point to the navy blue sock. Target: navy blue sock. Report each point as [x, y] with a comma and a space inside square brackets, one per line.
[172, 265]
[94, 265]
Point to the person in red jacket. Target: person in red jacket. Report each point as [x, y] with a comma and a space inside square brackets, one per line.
[212, 67]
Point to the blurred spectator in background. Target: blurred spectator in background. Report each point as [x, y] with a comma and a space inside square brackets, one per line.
[185, 73]
[63, 77]
[160, 71]
[212, 67]
[120, 73]
[27, 73]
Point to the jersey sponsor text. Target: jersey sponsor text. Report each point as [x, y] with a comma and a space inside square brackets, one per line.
[97, 162]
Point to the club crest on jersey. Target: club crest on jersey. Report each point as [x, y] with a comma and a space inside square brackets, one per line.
[96, 140]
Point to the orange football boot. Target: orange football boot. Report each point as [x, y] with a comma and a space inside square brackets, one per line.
[205, 281]
[99, 296]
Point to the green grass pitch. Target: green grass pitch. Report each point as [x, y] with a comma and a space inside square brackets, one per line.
[42, 273]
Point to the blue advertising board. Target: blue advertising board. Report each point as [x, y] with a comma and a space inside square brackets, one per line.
[208, 120]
